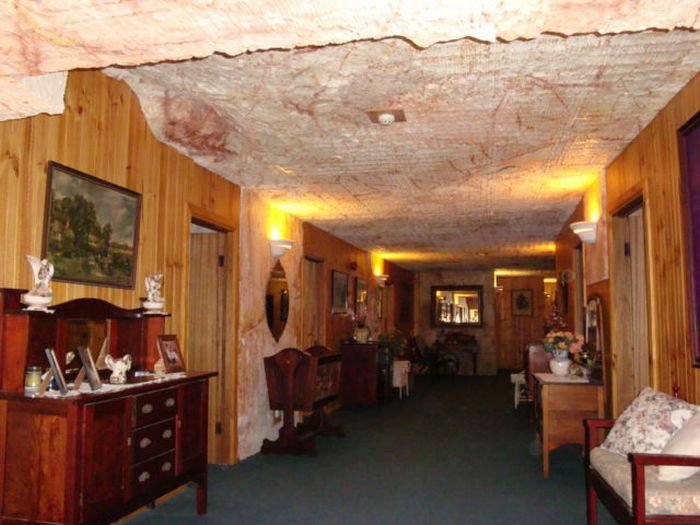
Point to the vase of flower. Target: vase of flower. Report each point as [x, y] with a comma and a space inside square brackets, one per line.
[561, 344]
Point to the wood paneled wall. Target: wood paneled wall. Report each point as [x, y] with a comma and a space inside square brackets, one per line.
[650, 166]
[340, 256]
[567, 241]
[103, 133]
[515, 331]
[403, 314]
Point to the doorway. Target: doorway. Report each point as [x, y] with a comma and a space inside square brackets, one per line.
[209, 330]
[630, 329]
[313, 326]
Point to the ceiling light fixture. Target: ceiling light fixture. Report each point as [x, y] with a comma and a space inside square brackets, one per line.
[386, 117]
[586, 230]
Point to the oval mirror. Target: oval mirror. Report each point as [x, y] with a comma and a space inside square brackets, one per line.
[277, 301]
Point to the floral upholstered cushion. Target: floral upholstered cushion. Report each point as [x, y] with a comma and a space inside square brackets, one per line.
[662, 497]
[648, 423]
[686, 442]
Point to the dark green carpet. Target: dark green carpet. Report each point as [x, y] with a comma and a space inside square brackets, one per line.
[455, 452]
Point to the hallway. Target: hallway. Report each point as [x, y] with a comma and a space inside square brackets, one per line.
[456, 452]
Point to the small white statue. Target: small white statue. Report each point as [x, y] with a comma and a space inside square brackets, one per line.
[39, 297]
[154, 301]
[153, 285]
[119, 368]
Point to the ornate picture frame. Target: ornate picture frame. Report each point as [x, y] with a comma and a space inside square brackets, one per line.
[91, 228]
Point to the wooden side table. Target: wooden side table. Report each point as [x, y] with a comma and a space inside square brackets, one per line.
[562, 404]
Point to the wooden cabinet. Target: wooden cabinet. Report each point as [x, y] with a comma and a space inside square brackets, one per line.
[366, 374]
[92, 458]
[96, 457]
[561, 405]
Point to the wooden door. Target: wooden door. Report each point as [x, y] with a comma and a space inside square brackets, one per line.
[312, 306]
[207, 329]
[630, 327]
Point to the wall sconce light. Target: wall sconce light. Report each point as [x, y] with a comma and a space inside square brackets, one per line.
[279, 247]
[586, 230]
[381, 279]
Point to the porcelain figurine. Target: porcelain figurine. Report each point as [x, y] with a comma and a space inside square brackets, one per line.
[119, 368]
[154, 300]
[39, 297]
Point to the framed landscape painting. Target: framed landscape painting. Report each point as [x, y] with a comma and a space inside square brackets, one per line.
[90, 228]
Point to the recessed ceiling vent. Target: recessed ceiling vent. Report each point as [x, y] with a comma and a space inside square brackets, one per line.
[386, 117]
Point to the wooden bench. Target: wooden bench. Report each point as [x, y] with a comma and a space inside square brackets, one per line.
[630, 493]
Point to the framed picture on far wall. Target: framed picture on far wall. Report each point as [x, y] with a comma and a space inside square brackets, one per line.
[521, 302]
[339, 292]
[91, 228]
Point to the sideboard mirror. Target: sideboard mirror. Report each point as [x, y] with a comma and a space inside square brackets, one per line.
[277, 301]
[457, 305]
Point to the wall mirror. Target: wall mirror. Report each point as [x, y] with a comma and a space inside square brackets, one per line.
[90, 333]
[457, 305]
[277, 301]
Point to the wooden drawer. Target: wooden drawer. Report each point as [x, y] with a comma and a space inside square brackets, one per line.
[155, 406]
[153, 440]
[149, 475]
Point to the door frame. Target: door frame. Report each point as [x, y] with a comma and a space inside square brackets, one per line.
[228, 445]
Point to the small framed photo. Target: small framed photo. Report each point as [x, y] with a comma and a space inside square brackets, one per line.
[169, 350]
[91, 373]
[56, 372]
[521, 302]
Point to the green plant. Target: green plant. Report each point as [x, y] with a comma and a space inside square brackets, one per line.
[396, 342]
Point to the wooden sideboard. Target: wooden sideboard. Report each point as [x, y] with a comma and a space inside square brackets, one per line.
[91, 458]
[561, 405]
[365, 374]
[96, 457]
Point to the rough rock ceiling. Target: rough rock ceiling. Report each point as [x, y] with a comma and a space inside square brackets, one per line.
[506, 125]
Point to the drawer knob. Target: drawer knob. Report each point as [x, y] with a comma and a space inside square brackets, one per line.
[147, 408]
[167, 433]
[170, 402]
[144, 476]
[166, 466]
[145, 442]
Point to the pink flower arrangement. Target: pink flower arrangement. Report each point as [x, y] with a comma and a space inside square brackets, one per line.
[557, 341]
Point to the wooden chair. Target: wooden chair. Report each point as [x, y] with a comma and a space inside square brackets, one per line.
[536, 360]
[302, 381]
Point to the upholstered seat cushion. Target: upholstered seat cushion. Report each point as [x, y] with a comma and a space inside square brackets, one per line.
[662, 497]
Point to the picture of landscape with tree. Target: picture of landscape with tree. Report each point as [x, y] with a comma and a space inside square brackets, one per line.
[91, 228]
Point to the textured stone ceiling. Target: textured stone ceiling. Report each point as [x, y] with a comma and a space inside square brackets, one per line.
[506, 124]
